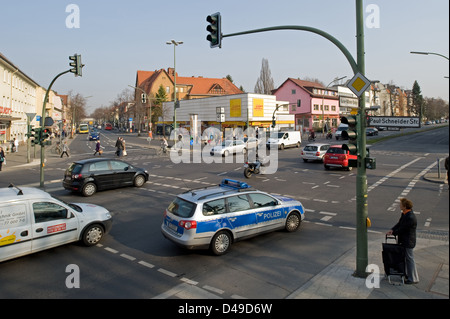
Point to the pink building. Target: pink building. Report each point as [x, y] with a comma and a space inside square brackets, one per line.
[312, 104]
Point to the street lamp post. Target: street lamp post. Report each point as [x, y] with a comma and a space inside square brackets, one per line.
[175, 44]
[428, 53]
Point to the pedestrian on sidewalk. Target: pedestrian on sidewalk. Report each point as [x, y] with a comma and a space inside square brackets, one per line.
[65, 149]
[98, 148]
[446, 167]
[16, 145]
[405, 230]
[2, 158]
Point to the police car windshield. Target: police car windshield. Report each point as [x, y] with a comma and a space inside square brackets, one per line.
[181, 208]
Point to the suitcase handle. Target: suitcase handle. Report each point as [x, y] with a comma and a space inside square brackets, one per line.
[393, 237]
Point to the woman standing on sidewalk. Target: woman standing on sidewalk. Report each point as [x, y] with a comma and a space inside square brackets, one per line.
[2, 157]
[405, 229]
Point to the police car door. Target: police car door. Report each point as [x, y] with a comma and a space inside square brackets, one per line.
[15, 231]
[54, 225]
[268, 213]
[240, 215]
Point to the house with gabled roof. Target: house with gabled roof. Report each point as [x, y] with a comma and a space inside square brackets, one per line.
[187, 87]
[312, 104]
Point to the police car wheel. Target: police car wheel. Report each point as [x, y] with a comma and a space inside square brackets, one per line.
[92, 235]
[220, 243]
[293, 222]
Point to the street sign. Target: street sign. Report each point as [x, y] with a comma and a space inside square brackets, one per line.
[394, 121]
[358, 84]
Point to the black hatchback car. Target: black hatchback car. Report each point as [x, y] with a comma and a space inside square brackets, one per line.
[90, 175]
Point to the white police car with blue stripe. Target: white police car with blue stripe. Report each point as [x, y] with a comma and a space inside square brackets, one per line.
[215, 217]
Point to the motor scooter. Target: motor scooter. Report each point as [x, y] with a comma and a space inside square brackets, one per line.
[251, 168]
[329, 135]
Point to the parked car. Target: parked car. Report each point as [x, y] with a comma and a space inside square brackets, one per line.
[31, 220]
[91, 175]
[371, 131]
[217, 216]
[314, 152]
[229, 147]
[336, 156]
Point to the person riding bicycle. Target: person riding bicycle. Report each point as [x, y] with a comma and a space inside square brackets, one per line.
[312, 135]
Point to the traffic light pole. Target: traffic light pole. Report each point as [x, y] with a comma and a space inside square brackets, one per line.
[361, 177]
[41, 184]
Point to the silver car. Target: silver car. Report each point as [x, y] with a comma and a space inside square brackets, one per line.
[229, 147]
[215, 217]
[314, 152]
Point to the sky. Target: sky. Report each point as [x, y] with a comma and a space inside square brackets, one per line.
[116, 38]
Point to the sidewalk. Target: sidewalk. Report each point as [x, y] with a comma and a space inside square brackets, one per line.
[337, 281]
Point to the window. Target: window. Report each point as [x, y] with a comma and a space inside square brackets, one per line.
[99, 166]
[294, 91]
[182, 208]
[316, 107]
[214, 207]
[262, 200]
[238, 203]
[45, 211]
[119, 166]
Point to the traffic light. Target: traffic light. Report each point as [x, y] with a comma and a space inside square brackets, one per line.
[143, 98]
[76, 64]
[35, 136]
[45, 134]
[350, 134]
[215, 30]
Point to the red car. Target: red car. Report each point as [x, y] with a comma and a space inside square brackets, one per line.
[337, 157]
[108, 126]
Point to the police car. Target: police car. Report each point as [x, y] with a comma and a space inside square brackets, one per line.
[32, 220]
[215, 217]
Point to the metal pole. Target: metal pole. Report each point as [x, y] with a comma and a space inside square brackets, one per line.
[361, 178]
[42, 127]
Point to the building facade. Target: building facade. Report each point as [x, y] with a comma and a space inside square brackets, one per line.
[21, 100]
[313, 105]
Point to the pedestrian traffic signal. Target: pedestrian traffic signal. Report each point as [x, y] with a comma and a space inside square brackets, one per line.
[76, 64]
[35, 136]
[215, 30]
[351, 134]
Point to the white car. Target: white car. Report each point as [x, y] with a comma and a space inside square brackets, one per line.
[32, 220]
[229, 147]
[314, 152]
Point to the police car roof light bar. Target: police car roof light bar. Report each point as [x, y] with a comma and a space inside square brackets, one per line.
[234, 184]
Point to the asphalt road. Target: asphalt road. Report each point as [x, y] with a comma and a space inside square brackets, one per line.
[135, 261]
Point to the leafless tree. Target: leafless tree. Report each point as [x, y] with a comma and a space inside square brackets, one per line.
[264, 84]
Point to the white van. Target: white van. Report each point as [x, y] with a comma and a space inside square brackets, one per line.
[340, 129]
[32, 220]
[285, 139]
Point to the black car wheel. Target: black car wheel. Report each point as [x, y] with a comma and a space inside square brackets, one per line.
[139, 181]
[89, 189]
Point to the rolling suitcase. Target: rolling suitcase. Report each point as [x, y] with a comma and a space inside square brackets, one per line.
[394, 259]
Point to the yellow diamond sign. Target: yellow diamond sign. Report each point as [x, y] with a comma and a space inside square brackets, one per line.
[358, 84]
